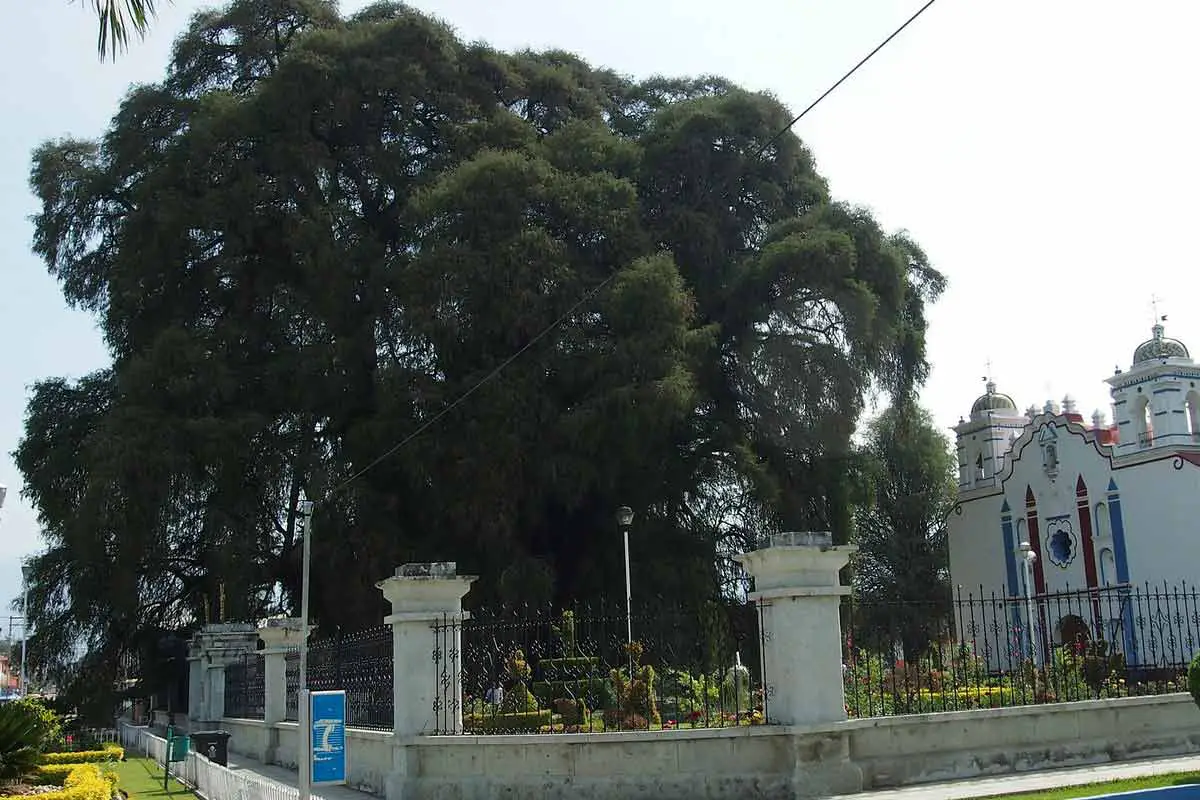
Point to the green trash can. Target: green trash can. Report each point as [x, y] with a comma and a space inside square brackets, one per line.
[212, 744]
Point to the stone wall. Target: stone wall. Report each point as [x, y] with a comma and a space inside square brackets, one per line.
[761, 762]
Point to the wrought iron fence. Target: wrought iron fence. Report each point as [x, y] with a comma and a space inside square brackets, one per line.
[292, 683]
[245, 690]
[358, 663]
[987, 650]
[594, 669]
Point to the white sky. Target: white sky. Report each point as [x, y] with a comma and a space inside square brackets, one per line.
[1043, 153]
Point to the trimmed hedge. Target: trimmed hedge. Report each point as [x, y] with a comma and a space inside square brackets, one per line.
[85, 782]
[109, 753]
[518, 722]
[53, 774]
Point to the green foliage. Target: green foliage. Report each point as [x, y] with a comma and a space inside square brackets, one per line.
[637, 700]
[119, 21]
[86, 782]
[508, 722]
[1099, 664]
[517, 697]
[84, 756]
[596, 692]
[316, 232]
[901, 570]
[21, 736]
[49, 723]
[1193, 678]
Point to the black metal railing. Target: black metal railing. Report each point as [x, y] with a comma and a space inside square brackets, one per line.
[245, 690]
[292, 684]
[553, 671]
[359, 664]
[988, 650]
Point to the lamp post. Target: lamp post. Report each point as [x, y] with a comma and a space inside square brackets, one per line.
[1028, 557]
[624, 520]
[305, 737]
[24, 627]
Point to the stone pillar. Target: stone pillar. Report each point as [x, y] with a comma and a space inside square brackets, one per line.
[195, 683]
[797, 585]
[422, 596]
[213, 649]
[279, 636]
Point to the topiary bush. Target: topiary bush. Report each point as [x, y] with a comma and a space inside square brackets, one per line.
[1194, 679]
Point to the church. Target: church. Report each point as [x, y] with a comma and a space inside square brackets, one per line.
[1103, 518]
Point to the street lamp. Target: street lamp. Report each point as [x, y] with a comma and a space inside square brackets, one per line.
[305, 510]
[624, 520]
[1028, 557]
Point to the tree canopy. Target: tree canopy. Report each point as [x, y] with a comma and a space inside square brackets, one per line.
[318, 232]
[901, 570]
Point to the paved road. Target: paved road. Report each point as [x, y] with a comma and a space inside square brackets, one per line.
[1038, 781]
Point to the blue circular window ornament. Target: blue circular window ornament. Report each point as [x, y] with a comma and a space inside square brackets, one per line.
[1062, 546]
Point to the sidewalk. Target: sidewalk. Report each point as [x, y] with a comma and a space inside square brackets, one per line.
[953, 790]
[1039, 781]
[288, 778]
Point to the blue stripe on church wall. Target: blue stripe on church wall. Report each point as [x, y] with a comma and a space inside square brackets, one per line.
[1117, 526]
[1010, 562]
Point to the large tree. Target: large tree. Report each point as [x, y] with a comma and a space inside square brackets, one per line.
[901, 570]
[317, 234]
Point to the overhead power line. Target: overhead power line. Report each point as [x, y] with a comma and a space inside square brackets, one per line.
[845, 77]
[424, 426]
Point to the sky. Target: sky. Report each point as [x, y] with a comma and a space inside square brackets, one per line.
[1043, 154]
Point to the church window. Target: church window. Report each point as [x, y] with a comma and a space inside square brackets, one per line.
[1142, 423]
[1062, 548]
[1193, 414]
[1108, 567]
[980, 471]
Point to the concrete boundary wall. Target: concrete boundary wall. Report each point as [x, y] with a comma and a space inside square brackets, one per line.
[758, 762]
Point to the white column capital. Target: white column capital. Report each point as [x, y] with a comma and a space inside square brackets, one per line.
[280, 634]
[425, 591]
[808, 561]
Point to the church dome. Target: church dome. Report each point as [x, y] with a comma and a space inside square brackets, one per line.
[1159, 346]
[993, 401]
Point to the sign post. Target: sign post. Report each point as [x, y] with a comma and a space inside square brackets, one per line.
[327, 738]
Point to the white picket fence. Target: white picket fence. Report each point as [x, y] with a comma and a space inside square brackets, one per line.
[210, 781]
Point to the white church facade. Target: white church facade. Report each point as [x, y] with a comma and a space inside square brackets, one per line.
[1111, 513]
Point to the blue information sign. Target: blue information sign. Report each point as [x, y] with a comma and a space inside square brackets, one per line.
[328, 737]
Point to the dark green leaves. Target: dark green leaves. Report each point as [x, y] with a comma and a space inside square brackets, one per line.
[317, 234]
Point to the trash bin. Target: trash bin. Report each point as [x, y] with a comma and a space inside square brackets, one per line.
[213, 744]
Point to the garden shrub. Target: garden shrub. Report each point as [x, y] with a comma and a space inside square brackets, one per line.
[595, 692]
[109, 753]
[523, 722]
[85, 782]
[21, 735]
[49, 722]
[1193, 676]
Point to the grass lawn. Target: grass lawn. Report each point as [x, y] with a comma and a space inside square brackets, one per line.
[143, 779]
[1107, 787]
